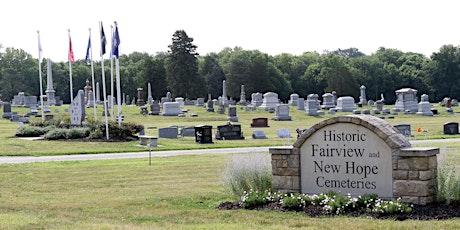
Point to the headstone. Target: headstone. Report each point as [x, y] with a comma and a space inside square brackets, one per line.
[49, 85]
[242, 96]
[168, 132]
[179, 100]
[259, 134]
[311, 105]
[98, 94]
[171, 109]
[155, 108]
[283, 133]
[149, 94]
[229, 132]
[232, 114]
[6, 110]
[256, 99]
[293, 99]
[140, 97]
[128, 102]
[334, 96]
[224, 100]
[406, 100]
[203, 134]
[282, 113]
[270, 101]
[404, 129]
[301, 104]
[379, 105]
[328, 101]
[90, 99]
[188, 131]
[345, 104]
[424, 107]
[259, 122]
[200, 102]
[210, 104]
[448, 105]
[370, 103]
[221, 109]
[451, 128]
[77, 109]
[87, 88]
[362, 97]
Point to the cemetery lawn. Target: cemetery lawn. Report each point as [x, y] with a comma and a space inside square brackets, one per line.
[11, 146]
[181, 192]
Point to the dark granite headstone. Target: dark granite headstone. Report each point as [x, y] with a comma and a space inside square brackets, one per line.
[404, 129]
[451, 128]
[203, 134]
[229, 132]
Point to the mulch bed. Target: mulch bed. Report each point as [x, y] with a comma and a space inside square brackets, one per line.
[433, 211]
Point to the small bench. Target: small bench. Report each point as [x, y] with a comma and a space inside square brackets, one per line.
[153, 140]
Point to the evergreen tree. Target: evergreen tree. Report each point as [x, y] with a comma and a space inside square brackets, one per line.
[182, 67]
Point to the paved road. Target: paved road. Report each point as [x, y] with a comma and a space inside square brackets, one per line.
[19, 160]
[104, 156]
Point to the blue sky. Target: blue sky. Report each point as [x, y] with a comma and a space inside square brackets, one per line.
[273, 27]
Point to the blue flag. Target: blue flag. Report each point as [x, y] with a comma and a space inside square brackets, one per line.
[87, 58]
[115, 42]
[103, 40]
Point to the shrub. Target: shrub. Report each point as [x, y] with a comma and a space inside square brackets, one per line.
[29, 131]
[126, 129]
[77, 133]
[248, 172]
[56, 134]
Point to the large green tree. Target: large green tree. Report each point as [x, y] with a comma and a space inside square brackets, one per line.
[213, 74]
[18, 73]
[182, 67]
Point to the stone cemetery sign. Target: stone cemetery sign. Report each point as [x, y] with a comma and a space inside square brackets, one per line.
[347, 158]
[356, 155]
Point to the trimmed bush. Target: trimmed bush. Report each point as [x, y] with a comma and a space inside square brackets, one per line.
[56, 134]
[76, 133]
[29, 131]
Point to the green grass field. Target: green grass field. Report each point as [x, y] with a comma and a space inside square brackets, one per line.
[180, 192]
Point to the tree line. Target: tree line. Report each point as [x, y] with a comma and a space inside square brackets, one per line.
[184, 73]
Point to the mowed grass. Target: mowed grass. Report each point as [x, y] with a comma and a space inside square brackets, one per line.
[179, 192]
[11, 146]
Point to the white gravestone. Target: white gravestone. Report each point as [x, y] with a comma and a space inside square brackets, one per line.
[345, 104]
[270, 101]
[171, 109]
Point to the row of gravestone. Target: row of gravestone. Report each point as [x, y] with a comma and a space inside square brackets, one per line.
[449, 128]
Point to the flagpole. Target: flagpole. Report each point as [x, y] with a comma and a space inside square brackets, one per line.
[103, 41]
[70, 71]
[40, 74]
[92, 75]
[120, 113]
[111, 73]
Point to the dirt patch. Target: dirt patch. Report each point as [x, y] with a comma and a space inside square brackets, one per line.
[433, 211]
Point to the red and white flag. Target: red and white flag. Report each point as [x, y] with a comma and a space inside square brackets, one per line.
[71, 57]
